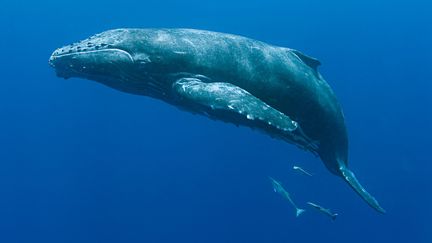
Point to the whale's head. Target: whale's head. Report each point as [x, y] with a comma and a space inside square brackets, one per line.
[102, 55]
[111, 58]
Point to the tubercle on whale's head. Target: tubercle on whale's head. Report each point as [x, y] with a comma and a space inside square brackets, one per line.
[105, 55]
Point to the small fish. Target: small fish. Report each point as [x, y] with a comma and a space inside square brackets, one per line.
[301, 170]
[277, 187]
[324, 210]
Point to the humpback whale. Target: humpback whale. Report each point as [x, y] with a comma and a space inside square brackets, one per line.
[226, 77]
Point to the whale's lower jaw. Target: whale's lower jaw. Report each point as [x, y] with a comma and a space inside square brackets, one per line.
[96, 65]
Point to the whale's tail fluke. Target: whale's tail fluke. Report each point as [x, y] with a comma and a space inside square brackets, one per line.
[299, 211]
[349, 177]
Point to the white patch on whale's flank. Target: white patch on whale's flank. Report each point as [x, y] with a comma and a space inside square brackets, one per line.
[268, 52]
[180, 52]
[141, 58]
[214, 88]
[162, 36]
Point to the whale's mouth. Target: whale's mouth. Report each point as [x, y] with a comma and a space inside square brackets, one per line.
[61, 53]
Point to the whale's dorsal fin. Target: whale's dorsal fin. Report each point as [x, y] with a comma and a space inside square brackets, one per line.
[310, 61]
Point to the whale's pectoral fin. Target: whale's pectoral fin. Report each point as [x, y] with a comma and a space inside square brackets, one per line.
[228, 97]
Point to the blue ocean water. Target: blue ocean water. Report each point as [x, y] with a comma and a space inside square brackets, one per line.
[80, 162]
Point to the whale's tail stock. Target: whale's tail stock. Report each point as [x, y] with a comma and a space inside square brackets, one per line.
[349, 177]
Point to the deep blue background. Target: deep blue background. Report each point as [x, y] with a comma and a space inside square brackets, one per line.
[80, 162]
